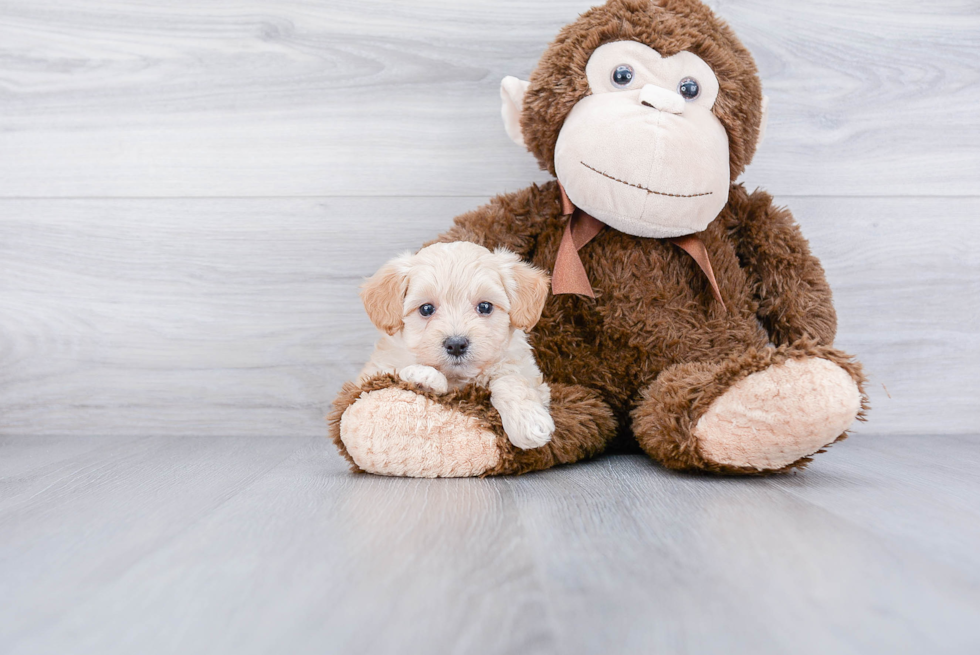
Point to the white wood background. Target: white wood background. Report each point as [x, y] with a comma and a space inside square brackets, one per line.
[191, 191]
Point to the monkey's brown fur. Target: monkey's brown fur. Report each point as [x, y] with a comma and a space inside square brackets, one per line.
[650, 353]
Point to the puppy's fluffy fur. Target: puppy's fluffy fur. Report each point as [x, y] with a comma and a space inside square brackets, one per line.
[453, 282]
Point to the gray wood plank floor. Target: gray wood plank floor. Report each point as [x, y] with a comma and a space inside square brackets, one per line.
[268, 545]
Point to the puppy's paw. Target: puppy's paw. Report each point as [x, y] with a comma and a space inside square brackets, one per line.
[426, 377]
[527, 424]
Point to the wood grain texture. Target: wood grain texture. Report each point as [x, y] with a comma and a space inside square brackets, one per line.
[111, 507]
[926, 491]
[189, 195]
[375, 97]
[217, 316]
[259, 545]
[242, 317]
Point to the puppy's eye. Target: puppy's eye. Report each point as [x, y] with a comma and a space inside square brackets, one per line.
[427, 309]
[622, 76]
[484, 308]
[689, 88]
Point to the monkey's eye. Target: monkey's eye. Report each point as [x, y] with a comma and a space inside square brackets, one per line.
[484, 308]
[622, 76]
[427, 309]
[689, 88]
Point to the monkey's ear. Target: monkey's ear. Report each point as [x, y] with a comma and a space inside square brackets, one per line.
[383, 295]
[763, 121]
[512, 93]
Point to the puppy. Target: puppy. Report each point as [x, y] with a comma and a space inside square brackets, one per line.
[455, 314]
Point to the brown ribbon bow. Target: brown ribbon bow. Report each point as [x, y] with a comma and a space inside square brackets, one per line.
[569, 274]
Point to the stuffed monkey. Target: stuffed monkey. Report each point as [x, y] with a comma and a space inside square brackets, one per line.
[688, 315]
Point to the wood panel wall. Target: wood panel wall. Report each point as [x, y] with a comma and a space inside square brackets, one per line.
[190, 192]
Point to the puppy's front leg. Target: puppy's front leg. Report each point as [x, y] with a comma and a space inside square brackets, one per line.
[526, 419]
[425, 376]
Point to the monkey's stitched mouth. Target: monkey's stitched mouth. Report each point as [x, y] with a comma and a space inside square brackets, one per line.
[638, 186]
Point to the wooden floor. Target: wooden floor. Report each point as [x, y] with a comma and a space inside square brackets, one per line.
[268, 545]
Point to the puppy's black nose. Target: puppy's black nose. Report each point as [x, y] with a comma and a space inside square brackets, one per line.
[456, 346]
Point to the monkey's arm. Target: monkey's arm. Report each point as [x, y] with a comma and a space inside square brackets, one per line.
[511, 221]
[794, 298]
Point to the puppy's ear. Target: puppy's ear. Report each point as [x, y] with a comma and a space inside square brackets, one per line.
[528, 295]
[383, 295]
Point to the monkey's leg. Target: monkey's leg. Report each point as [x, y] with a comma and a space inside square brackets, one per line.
[391, 427]
[762, 411]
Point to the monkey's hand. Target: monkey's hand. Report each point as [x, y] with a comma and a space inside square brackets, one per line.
[426, 377]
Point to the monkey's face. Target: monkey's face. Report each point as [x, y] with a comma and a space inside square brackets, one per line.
[645, 110]
[643, 152]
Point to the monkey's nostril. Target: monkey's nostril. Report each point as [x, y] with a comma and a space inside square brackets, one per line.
[456, 346]
[661, 99]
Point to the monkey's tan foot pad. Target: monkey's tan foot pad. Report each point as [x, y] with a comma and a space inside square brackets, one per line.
[778, 416]
[398, 432]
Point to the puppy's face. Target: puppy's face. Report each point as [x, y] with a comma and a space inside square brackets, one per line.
[456, 304]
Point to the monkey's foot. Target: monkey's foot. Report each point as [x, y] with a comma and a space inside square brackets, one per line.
[395, 431]
[393, 427]
[779, 415]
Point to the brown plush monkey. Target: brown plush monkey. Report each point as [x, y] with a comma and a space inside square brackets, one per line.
[688, 314]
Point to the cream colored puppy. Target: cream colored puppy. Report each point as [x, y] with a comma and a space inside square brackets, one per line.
[454, 314]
